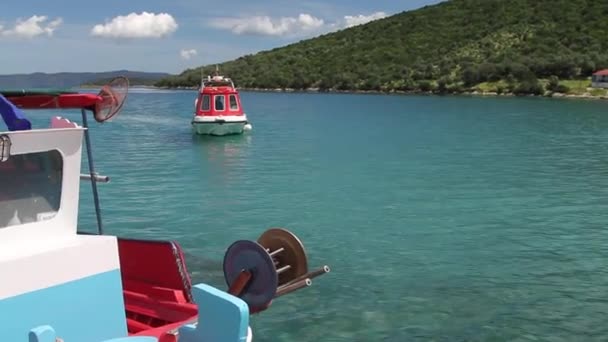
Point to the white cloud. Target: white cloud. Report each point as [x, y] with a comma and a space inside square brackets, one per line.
[264, 25]
[187, 53]
[285, 26]
[32, 27]
[144, 25]
[354, 20]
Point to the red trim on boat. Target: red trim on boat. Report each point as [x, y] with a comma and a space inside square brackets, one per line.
[55, 101]
[219, 90]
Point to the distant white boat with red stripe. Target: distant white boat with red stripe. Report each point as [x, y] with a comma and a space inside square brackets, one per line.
[218, 109]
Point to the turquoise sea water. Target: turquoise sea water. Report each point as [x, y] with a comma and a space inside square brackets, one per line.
[442, 218]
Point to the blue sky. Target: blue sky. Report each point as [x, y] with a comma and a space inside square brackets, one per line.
[166, 35]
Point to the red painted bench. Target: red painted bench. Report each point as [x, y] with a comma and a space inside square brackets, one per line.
[156, 287]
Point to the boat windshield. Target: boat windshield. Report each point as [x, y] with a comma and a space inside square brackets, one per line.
[206, 103]
[219, 102]
[30, 187]
[234, 105]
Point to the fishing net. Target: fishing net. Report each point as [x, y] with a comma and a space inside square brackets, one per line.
[113, 97]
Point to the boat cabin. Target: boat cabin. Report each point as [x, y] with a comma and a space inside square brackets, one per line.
[218, 97]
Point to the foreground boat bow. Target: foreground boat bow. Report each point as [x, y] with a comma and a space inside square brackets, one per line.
[73, 287]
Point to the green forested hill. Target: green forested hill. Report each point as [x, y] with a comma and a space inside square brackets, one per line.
[454, 46]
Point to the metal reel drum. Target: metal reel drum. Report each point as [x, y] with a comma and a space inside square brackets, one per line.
[286, 249]
[246, 255]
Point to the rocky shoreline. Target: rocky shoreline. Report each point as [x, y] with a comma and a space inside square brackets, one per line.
[547, 94]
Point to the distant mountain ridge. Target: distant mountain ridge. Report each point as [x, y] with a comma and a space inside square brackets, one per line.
[75, 79]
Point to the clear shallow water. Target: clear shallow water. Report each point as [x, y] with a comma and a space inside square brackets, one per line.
[442, 218]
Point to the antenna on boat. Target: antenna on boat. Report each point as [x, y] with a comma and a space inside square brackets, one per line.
[113, 96]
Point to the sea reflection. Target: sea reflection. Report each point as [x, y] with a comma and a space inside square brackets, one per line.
[223, 157]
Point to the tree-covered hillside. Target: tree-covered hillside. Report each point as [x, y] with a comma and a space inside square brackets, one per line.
[453, 46]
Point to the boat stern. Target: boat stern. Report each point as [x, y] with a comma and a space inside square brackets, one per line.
[220, 125]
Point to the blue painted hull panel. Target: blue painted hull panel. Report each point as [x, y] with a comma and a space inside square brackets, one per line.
[95, 312]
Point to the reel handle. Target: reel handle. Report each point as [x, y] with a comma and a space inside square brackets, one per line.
[310, 275]
[240, 283]
[293, 286]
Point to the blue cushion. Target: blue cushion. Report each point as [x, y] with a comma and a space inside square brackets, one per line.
[46, 333]
[222, 317]
[13, 117]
